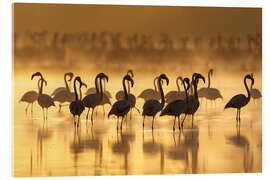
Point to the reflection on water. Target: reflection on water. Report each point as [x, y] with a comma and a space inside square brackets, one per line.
[214, 144]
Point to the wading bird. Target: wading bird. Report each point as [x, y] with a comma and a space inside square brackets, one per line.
[70, 74]
[31, 96]
[121, 94]
[93, 100]
[76, 107]
[193, 100]
[240, 100]
[44, 100]
[149, 94]
[255, 93]
[175, 95]
[177, 107]
[121, 107]
[153, 106]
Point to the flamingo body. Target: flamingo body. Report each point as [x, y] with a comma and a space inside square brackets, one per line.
[76, 107]
[175, 108]
[45, 101]
[255, 93]
[237, 102]
[151, 107]
[120, 108]
[29, 97]
[64, 96]
[149, 94]
[58, 90]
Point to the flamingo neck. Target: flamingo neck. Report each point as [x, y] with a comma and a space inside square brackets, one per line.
[209, 79]
[96, 84]
[125, 89]
[80, 91]
[185, 91]
[101, 89]
[161, 92]
[155, 84]
[246, 86]
[195, 84]
[128, 87]
[178, 87]
[65, 79]
[41, 86]
[39, 81]
[75, 90]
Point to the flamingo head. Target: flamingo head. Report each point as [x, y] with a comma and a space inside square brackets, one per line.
[83, 84]
[186, 80]
[252, 75]
[36, 74]
[199, 76]
[249, 76]
[70, 74]
[130, 72]
[103, 76]
[129, 78]
[163, 76]
[78, 78]
[211, 71]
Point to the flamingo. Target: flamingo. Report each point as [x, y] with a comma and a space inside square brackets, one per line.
[175, 95]
[121, 107]
[44, 100]
[153, 106]
[76, 107]
[240, 100]
[121, 94]
[193, 100]
[255, 93]
[106, 96]
[177, 107]
[31, 96]
[93, 100]
[149, 94]
[70, 74]
[210, 93]
[65, 95]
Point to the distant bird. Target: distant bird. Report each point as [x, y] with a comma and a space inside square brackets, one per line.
[121, 94]
[121, 107]
[175, 95]
[193, 100]
[153, 106]
[240, 100]
[149, 94]
[70, 74]
[44, 100]
[255, 93]
[93, 100]
[76, 107]
[177, 107]
[31, 96]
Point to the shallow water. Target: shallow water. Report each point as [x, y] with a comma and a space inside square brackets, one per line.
[213, 145]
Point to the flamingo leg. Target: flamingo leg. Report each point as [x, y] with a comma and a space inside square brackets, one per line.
[182, 124]
[27, 108]
[43, 113]
[74, 118]
[78, 121]
[117, 122]
[122, 123]
[153, 122]
[46, 113]
[92, 115]
[174, 123]
[239, 116]
[60, 106]
[87, 114]
[192, 120]
[32, 108]
[179, 122]
[143, 122]
[137, 109]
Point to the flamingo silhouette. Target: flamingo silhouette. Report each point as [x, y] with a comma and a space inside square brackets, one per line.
[149, 94]
[76, 107]
[93, 100]
[240, 100]
[153, 106]
[121, 107]
[175, 95]
[193, 100]
[44, 100]
[70, 74]
[177, 107]
[255, 93]
[121, 94]
[31, 96]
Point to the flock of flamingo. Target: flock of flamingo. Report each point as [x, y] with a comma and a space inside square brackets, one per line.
[177, 102]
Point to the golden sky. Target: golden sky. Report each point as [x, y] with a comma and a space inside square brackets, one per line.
[148, 19]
